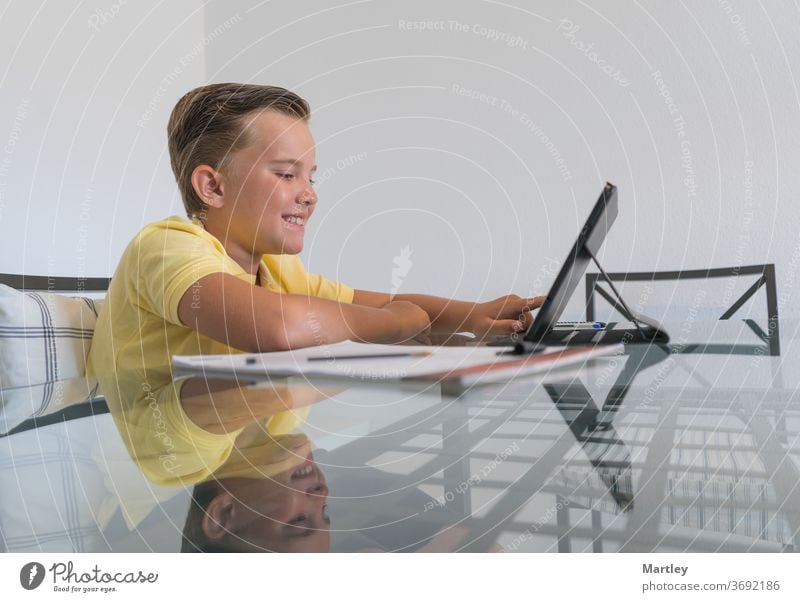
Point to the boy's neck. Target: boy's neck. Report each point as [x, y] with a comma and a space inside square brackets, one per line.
[246, 260]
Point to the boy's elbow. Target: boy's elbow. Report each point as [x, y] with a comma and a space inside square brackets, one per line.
[273, 338]
[281, 333]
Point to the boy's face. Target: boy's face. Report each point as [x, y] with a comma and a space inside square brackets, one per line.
[268, 194]
[283, 513]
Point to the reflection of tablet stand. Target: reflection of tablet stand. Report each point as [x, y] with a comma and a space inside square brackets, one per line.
[607, 453]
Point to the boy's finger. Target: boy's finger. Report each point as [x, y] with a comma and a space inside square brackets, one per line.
[526, 319]
[506, 327]
[534, 302]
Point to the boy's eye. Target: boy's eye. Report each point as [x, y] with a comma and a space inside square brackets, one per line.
[312, 181]
[286, 176]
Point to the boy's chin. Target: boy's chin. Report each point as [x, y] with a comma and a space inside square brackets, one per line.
[289, 245]
[290, 249]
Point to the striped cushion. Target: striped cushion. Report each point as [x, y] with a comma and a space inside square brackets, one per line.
[18, 404]
[43, 337]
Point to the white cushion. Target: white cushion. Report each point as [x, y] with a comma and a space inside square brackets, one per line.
[43, 337]
[18, 404]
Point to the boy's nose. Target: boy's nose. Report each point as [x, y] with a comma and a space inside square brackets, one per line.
[319, 490]
[307, 197]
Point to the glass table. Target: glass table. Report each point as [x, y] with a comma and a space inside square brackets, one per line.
[692, 446]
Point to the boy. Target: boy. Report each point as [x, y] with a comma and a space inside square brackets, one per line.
[230, 278]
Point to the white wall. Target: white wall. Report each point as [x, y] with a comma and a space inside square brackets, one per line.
[485, 192]
[86, 91]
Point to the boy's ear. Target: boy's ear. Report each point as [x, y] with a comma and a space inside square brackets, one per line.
[207, 184]
[219, 517]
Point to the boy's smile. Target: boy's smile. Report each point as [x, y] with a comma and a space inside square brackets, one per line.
[285, 512]
[267, 194]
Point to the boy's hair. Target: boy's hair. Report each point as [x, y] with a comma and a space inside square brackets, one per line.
[194, 539]
[208, 124]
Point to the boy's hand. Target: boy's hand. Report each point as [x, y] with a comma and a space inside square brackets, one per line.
[503, 316]
[414, 323]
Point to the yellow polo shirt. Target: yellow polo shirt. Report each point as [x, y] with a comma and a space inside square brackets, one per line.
[138, 326]
[138, 331]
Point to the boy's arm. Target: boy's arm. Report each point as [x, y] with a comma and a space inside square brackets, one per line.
[501, 316]
[251, 318]
[220, 406]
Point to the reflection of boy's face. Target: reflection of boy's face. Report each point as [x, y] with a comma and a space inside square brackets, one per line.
[285, 513]
[268, 193]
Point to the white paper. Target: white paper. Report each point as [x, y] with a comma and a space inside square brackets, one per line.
[337, 362]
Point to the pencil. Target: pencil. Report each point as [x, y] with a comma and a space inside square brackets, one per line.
[368, 356]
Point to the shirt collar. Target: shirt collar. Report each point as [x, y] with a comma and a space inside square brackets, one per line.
[264, 277]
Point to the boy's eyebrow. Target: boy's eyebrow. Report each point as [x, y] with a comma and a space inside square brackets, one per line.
[292, 162]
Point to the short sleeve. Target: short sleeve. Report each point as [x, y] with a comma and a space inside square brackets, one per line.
[169, 260]
[328, 289]
[291, 277]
